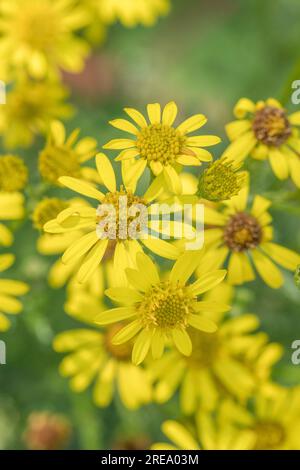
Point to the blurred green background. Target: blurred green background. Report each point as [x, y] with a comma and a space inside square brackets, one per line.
[205, 55]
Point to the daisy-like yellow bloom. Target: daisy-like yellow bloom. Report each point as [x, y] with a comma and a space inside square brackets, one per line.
[29, 109]
[132, 12]
[233, 361]
[162, 310]
[208, 435]
[9, 290]
[274, 418]
[99, 242]
[243, 236]
[38, 36]
[93, 356]
[159, 145]
[11, 208]
[264, 130]
[63, 156]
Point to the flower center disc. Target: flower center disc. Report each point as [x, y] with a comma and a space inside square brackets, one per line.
[242, 232]
[37, 26]
[46, 210]
[159, 142]
[271, 126]
[55, 162]
[166, 306]
[122, 215]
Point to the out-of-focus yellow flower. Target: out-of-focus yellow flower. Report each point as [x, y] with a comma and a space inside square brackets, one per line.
[11, 208]
[274, 418]
[9, 290]
[38, 37]
[265, 131]
[132, 12]
[98, 242]
[159, 145]
[162, 310]
[232, 361]
[29, 109]
[208, 435]
[92, 355]
[244, 236]
[63, 156]
[13, 173]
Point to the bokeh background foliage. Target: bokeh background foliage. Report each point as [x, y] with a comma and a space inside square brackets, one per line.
[206, 54]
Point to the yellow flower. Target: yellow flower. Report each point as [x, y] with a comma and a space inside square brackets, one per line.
[38, 37]
[274, 418]
[159, 145]
[244, 236]
[91, 355]
[232, 361]
[221, 180]
[132, 12]
[209, 435]
[63, 156]
[29, 109]
[264, 130]
[13, 173]
[98, 242]
[11, 208]
[9, 290]
[162, 310]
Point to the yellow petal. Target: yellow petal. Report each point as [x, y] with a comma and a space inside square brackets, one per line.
[141, 347]
[184, 267]
[182, 341]
[106, 172]
[115, 315]
[207, 281]
[172, 179]
[127, 333]
[136, 116]
[191, 124]
[267, 270]
[243, 107]
[119, 144]
[124, 125]
[161, 248]
[179, 435]
[202, 323]
[169, 113]
[236, 128]
[80, 247]
[81, 187]
[239, 269]
[147, 268]
[92, 261]
[203, 141]
[281, 255]
[154, 113]
[58, 132]
[279, 164]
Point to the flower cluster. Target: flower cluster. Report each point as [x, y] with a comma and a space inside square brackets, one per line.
[158, 295]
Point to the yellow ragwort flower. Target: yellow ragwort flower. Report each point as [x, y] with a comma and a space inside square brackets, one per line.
[274, 418]
[233, 361]
[13, 173]
[91, 355]
[265, 131]
[63, 156]
[11, 208]
[39, 36]
[132, 12]
[159, 145]
[9, 290]
[209, 434]
[221, 180]
[243, 236]
[98, 242]
[29, 109]
[162, 310]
